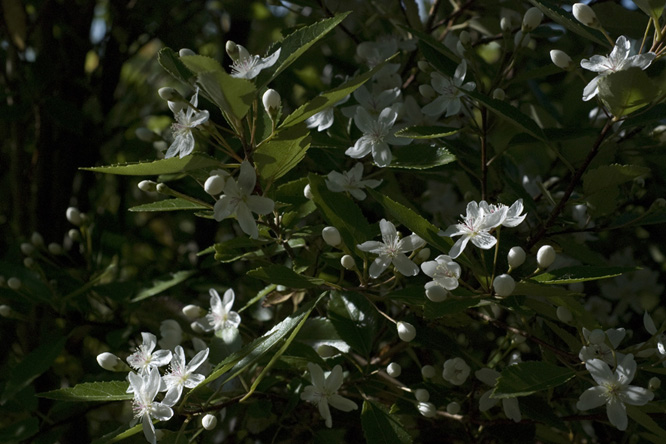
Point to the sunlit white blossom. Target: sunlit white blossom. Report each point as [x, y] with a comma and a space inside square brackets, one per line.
[187, 118]
[475, 226]
[181, 375]
[443, 271]
[145, 388]
[143, 359]
[323, 392]
[220, 317]
[392, 251]
[248, 66]
[350, 181]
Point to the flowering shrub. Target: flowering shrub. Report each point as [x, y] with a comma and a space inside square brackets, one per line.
[505, 187]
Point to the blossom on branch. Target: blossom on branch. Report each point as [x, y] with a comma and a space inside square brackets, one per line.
[323, 392]
[392, 251]
[187, 117]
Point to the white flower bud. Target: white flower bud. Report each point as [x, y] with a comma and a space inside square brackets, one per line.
[659, 202]
[585, 15]
[428, 371]
[209, 421]
[423, 254]
[5, 311]
[74, 235]
[532, 19]
[28, 262]
[170, 94]
[504, 285]
[37, 239]
[654, 383]
[427, 91]
[109, 361]
[422, 395]
[186, 52]
[505, 24]
[427, 409]
[148, 186]
[214, 185]
[406, 331]
[55, 249]
[192, 312]
[272, 102]
[162, 188]
[197, 328]
[327, 351]
[453, 408]
[465, 38]
[564, 314]
[424, 66]
[73, 215]
[348, 262]
[331, 236]
[516, 257]
[280, 288]
[393, 369]
[14, 283]
[499, 94]
[436, 293]
[597, 337]
[146, 135]
[561, 59]
[545, 256]
[27, 248]
[232, 50]
[307, 192]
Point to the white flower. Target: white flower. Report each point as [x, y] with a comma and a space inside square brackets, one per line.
[443, 271]
[456, 371]
[323, 392]
[451, 91]
[143, 359]
[323, 120]
[187, 117]
[392, 250]
[378, 133]
[172, 334]
[248, 66]
[510, 405]
[239, 201]
[513, 214]
[350, 181]
[613, 389]
[182, 375]
[145, 408]
[220, 317]
[475, 226]
[618, 60]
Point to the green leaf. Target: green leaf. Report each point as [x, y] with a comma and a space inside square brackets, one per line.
[281, 275]
[176, 204]
[295, 44]
[566, 19]
[159, 286]
[277, 155]
[653, 8]
[193, 162]
[601, 186]
[421, 157]
[525, 378]
[626, 91]
[328, 98]
[638, 415]
[511, 113]
[91, 391]
[380, 427]
[171, 62]
[33, 365]
[19, 431]
[435, 52]
[581, 273]
[426, 132]
[354, 318]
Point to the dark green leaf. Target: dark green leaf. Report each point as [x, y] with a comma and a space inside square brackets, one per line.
[601, 186]
[159, 286]
[638, 415]
[421, 157]
[282, 152]
[91, 391]
[171, 62]
[525, 378]
[380, 427]
[436, 53]
[653, 8]
[571, 275]
[626, 91]
[566, 19]
[426, 132]
[174, 165]
[19, 431]
[354, 318]
[176, 204]
[281, 275]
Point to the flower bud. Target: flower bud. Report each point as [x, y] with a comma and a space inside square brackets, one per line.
[585, 14]
[307, 192]
[146, 135]
[393, 369]
[436, 293]
[499, 94]
[597, 336]
[192, 312]
[27, 248]
[516, 257]
[561, 59]
[214, 185]
[197, 328]
[504, 285]
[423, 254]
[170, 95]
[424, 66]
[654, 383]
[465, 38]
[545, 256]
[327, 351]
[5, 311]
[73, 215]
[453, 408]
[427, 409]
[532, 19]
[428, 371]
[14, 283]
[331, 236]
[109, 361]
[348, 262]
[209, 421]
[427, 91]
[55, 249]
[148, 186]
[162, 188]
[422, 395]
[186, 52]
[232, 50]
[37, 240]
[272, 102]
[28, 262]
[406, 331]
[505, 24]
[74, 235]
[564, 314]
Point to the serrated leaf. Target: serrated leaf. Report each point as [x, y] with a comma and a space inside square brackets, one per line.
[295, 44]
[170, 61]
[354, 319]
[174, 165]
[525, 378]
[380, 427]
[421, 157]
[281, 275]
[509, 112]
[176, 204]
[91, 391]
[276, 156]
[582, 273]
[566, 19]
[321, 331]
[158, 286]
[653, 8]
[328, 98]
[626, 91]
[601, 186]
[426, 132]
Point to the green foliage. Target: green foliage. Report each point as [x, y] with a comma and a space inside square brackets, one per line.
[601, 185]
[91, 391]
[526, 378]
[626, 91]
[191, 163]
[281, 152]
[379, 426]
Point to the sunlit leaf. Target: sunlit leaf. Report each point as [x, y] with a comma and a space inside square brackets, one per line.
[174, 165]
[176, 204]
[626, 91]
[91, 391]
